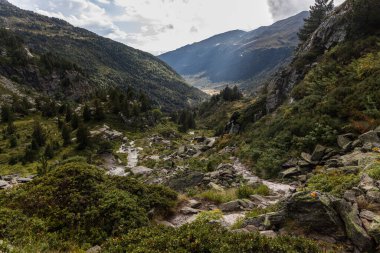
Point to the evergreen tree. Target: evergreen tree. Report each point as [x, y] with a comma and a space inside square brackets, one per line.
[69, 113]
[318, 13]
[11, 129]
[49, 152]
[6, 114]
[66, 136]
[99, 111]
[83, 137]
[86, 113]
[38, 135]
[75, 121]
[44, 167]
[13, 142]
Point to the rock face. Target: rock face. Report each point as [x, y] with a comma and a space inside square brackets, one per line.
[317, 214]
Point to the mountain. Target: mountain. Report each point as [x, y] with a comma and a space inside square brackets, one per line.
[104, 63]
[245, 58]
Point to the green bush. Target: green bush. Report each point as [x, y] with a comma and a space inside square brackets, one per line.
[334, 182]
[374, 171]
[77, 202]
[245, 191]
[199, 237]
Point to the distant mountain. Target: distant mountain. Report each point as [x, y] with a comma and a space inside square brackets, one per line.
[245, 58]
[102, 62]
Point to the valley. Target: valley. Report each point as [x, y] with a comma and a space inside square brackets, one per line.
[105, 148]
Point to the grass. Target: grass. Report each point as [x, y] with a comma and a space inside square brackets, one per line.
[374, 171]
[260, 211]
[243, 192]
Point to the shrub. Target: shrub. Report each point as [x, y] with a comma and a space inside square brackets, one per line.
[334, 182]
[245, 191]
[199, 237]
[218, 196]
[374, 171]
[207, 216]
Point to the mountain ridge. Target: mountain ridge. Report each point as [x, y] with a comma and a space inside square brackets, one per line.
[245, 58]
[108, 63]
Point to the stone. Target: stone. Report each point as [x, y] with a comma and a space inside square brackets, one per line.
[274, 219]
[373, 196]
[370, 137]
[290, 172]
[368, 215]
[318, 153]
[350, 196]
[316, 213]
[23, 180]
[95, 249]
[240, 231]
[188, 210]
[354, 230]
[4, 184]
[232, 206]
[302, 178]
[259, 200]
[269, 233]
[290, 164]
[215, 187]
[141, 171]
[251, 228]
[367, 183]
[306, 157]
[374, 231]
[345, 139]
[181, 150]
[194, 203]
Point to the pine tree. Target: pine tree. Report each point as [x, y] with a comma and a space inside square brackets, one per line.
[83, 137]
[86, 113]
[75, 121]
[99, 111]
[69, 113]
[49, 152]
[66, 135]
[318, 13]
[38, 135]
[6, 114]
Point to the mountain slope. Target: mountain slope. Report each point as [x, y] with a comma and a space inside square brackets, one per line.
[105, 62]
[247, 58]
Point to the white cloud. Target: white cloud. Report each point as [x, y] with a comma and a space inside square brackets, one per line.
[161, 25]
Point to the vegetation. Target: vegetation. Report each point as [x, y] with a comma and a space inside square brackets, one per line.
[318, 13]
[77, 203]
[200, 237]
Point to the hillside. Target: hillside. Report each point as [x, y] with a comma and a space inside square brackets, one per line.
[245, 58]
[105, 63]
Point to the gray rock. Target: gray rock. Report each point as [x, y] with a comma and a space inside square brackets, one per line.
[95, 249]
[318, 153]
[141, 170]
[240, 231]
[373, 196]
[215, 187]
[233, 206]
[188, 210]
[4, 184]
[316, 214]
[345, 139]
[367, 183]
[290, 172]
[354, 230]
[368, 215]
[23, 180]
[269, 233]
[370, 137]
[194, 203]
[306, 157]
[350, 196]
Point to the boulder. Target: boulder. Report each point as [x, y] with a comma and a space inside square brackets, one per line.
[141, 171]
[370, 137]
[306, 157]
[215, 187]
[318, 153]
[367, 183]
[373, 196]
[315, 212]
[345, 139]
[236, 205]
[290, 172]
[354, 227]
[368, 215]
[274, 219]
[350, 196]
[194, 203]
[374, 231]
[189, 211]
[4, 184]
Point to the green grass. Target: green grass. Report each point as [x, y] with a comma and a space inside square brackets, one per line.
[374, 171]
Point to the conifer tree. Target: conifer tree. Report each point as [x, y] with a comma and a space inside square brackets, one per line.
[318, 13]
[86, 113]
[38, 135]
[6, 114]
[66, 135]
[83, 137]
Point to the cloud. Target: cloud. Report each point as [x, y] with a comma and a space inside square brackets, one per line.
[156, 25]
[281, 9]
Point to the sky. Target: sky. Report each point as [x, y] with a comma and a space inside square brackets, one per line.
[158, 26]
